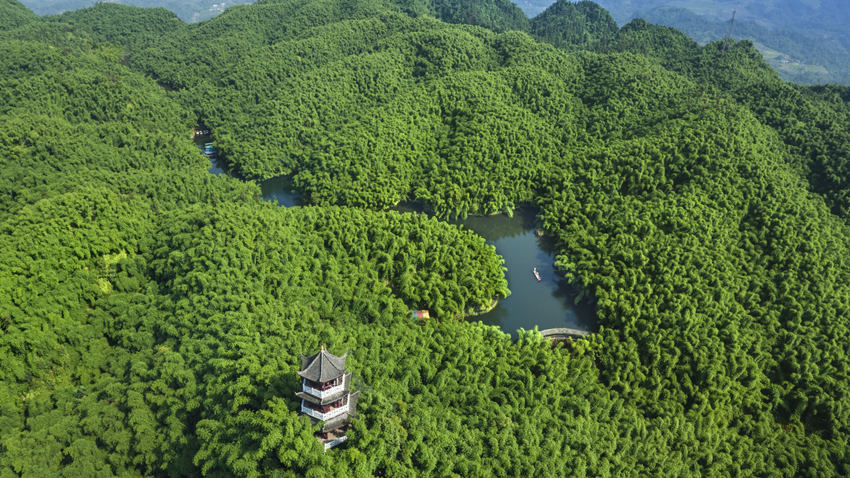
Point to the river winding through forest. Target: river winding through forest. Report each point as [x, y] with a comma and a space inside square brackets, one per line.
[548, 303]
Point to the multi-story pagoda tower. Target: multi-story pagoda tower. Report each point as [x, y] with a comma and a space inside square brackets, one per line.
[326, 396]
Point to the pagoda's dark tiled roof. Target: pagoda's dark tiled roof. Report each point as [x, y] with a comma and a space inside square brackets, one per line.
[322, 367]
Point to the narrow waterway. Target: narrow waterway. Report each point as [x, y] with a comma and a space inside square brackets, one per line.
[548, 303]
[217, 166]
[275, 189]
[280, 190]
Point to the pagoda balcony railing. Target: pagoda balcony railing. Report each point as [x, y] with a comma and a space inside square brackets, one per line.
[321, 393]
[324, 416]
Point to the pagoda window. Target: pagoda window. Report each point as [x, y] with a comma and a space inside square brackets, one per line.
[327, 407]
[323, 386]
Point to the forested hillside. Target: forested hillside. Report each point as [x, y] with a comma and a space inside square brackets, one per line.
[131, 27]
[574, 25]
[152, 313]
[809, 120]
[13, 14]
[403, 73]
[497, 15]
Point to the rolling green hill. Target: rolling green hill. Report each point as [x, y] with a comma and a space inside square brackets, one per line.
[574, 25]
[129, 27]
[152, 314]
[14, 14]
[498, 15]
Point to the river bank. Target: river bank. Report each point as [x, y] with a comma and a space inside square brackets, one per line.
[547, 303]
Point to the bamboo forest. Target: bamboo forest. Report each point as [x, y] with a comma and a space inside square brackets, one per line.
[152, 314]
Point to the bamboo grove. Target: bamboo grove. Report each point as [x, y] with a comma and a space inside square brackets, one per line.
[152, 314]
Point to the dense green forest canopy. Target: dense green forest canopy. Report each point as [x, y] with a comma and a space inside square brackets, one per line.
[811, 121]
[14, 14]
[574, 25]
[806, 43]
[391, 74]
[497, 15]
[130, 27]
[152, 314]
[806, 57]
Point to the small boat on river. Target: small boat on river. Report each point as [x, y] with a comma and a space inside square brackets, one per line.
[537, 275]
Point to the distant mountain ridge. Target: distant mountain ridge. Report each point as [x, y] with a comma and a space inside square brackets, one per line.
[804, 55]
[806, 42]
[775, 14]
[495, 14]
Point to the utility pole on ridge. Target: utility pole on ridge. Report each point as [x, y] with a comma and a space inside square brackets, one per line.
[728, 40]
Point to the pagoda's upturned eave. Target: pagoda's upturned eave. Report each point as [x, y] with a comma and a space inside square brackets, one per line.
[322, 367]
[323, 400]
[342, 419]
[333, 423]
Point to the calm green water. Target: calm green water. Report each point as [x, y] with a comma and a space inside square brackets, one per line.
[217, 166]
[280, 190]
[276, 189]
[546, 304]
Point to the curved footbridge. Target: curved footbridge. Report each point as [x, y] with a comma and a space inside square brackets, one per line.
[564, 333]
